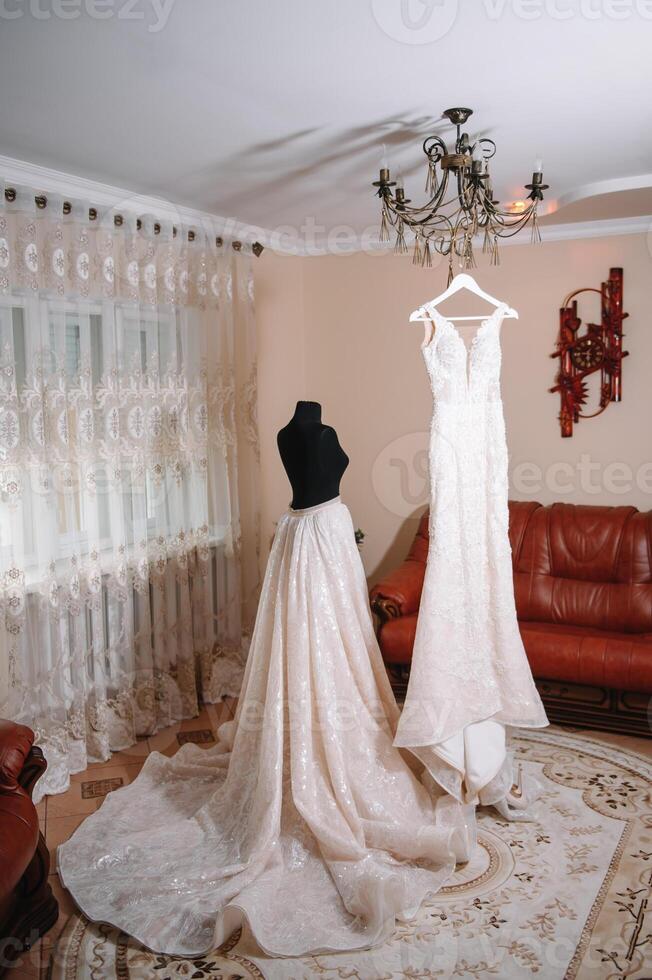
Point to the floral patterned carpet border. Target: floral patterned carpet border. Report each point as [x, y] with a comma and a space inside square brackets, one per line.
[566, 896]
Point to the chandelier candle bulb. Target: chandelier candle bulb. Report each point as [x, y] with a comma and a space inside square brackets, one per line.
[538, 165]
[477, 159]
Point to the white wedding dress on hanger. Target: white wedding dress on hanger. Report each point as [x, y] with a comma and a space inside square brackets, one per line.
[469, 675]
[304, 823]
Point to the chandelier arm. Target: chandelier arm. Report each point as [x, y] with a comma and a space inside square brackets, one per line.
[512, 230]
[436, 200]
[432, 205]
[452, 201]
[393, 216]
[485, 141]
[528, 211]
[436, 233]
[432, 141]
[441, 219]
[421, 223]
[419, 215]
[520, 219]
[461, 190]
[471, 195]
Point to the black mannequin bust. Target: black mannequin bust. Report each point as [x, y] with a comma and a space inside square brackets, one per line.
[312, 456]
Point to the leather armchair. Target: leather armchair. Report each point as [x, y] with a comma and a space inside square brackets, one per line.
[583, 590]
[27, 906]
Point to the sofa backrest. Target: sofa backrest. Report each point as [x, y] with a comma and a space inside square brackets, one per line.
[583, 565]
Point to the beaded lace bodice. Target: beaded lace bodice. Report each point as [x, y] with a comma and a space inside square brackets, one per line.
[460, 374]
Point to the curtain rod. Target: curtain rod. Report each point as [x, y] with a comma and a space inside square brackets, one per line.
[41, 202]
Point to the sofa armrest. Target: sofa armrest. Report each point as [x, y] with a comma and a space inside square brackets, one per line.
[399, 593]
[35, 766]
[15, 747]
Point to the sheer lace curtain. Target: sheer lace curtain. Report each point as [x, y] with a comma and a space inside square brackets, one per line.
[129, 538]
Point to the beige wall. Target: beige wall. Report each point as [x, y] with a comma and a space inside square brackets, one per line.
[334, 329]
[281, 370]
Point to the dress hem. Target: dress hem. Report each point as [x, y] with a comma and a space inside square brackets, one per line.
[437, 739]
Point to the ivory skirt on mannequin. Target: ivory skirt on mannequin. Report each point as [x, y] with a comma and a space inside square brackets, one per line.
[313, 829]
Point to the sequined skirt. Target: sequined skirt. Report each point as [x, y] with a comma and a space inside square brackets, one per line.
[304, 823]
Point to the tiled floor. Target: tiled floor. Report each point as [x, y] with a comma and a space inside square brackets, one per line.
[61, 815]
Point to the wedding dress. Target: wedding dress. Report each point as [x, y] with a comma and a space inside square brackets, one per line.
[312, 830]
[469, 675]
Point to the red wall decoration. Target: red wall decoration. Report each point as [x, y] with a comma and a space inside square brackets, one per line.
[598, 348]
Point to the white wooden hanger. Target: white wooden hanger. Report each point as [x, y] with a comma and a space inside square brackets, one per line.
[461, 281]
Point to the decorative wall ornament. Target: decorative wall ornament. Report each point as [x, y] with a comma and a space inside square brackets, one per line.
[598, 349]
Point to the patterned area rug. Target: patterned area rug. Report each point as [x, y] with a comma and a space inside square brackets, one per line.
[567, 896]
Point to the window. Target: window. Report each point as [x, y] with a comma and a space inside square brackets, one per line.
[67, 341]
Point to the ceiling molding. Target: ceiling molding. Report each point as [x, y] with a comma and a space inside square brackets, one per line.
[598, 188]
[48, 181]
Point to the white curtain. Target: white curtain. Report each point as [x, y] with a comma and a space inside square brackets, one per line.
[129, 538]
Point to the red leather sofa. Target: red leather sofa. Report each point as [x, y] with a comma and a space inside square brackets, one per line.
[27, 906]
[583, 588]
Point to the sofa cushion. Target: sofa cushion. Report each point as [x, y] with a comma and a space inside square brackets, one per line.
[584, 656]
[587, 567]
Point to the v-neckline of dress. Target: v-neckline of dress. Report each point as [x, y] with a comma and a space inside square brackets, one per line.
[468, 351]
[483, 325]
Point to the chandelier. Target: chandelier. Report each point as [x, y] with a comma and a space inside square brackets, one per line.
[449, 222]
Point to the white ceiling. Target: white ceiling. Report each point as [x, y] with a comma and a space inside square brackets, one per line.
[274, 112]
